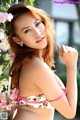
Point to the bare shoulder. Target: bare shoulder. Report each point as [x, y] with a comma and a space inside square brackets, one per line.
[38, 64]
[39, 70]
[35, 66]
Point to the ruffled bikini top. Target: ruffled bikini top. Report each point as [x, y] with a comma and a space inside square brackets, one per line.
[38, 101]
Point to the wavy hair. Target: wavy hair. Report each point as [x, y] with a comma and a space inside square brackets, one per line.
[25, 53]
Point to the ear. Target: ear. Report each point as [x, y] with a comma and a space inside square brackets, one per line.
[17, 40]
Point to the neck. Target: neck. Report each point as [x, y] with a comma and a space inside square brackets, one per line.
[39, 54]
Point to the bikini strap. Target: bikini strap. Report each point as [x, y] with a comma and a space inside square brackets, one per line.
[61, 96]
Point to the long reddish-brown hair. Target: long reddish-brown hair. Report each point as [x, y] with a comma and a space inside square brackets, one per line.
[25, 53]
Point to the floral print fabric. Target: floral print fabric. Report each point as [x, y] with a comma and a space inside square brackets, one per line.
[38, 101]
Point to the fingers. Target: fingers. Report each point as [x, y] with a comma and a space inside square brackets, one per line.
[65, 49]
[70, 49]
[68, 55]
[59, 50]
[62, 49]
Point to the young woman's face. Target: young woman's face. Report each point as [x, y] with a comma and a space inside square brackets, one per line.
[31, 31]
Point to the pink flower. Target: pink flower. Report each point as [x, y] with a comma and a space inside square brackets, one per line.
[9, 56]
[3, 100]
[9, 102]
[3, 17]
[15, 96]
[15, 93]
[3, 96]
[9, 17]
[4, 103]
[4, 46]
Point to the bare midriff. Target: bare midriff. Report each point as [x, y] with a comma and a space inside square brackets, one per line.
[27, 113]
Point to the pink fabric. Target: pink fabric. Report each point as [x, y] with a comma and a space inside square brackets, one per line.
[23, 98]
[63, 94]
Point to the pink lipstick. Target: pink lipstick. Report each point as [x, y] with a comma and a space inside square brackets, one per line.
[40, 40]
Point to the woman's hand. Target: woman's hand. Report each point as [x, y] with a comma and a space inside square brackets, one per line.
[68, 55]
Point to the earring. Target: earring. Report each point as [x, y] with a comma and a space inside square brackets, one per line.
[22, 44]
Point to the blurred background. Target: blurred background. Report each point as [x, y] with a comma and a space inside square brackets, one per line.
[66, 16]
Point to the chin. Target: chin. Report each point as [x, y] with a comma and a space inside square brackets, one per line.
[43, 45]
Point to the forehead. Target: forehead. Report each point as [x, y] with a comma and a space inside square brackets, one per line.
[25, 20]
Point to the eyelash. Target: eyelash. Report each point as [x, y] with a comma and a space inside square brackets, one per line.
[38, 23]
[26, 31]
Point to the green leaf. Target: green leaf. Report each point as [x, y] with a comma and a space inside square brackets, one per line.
[25, 1]
[6, 65]
[31, 2]
[9, 1]
[1, 77]
[3, 9]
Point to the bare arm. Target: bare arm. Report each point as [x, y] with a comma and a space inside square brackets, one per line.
[71, 87]
[70, 56]
[47, 81]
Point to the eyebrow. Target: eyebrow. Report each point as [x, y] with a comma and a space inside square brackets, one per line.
[29, 26]
[25, 28]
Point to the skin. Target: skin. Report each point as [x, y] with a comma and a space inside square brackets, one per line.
[30, 30]
[36, 73]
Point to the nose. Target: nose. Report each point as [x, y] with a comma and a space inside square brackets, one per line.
[37, 31]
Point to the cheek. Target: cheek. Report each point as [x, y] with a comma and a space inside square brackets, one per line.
[42, 28]
[27, 40]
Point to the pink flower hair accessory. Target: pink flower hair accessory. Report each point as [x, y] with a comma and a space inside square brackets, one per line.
[5, 17]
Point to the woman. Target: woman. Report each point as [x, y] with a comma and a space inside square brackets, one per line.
[40, 90]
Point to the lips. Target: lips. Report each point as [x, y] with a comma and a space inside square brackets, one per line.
[40, 40]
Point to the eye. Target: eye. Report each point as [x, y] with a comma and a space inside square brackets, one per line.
[27, 30]
[38, 23]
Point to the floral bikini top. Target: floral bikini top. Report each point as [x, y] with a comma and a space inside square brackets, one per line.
[13, 100]
[38, 101]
